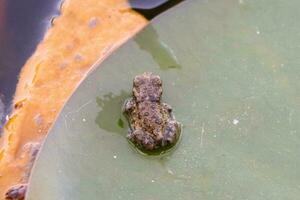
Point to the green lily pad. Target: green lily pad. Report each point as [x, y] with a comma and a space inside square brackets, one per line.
[231, 72]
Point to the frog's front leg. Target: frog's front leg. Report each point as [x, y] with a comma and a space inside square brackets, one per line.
[171, 133]
[141, 139]
[169, 109]
[128, 106]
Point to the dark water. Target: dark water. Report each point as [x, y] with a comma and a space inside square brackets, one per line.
[22, 26]
[151, 8]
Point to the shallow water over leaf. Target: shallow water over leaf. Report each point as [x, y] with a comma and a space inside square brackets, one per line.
[236, 94]
[110, 116]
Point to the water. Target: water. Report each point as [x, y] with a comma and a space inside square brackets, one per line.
[151, 8]
[159, 51]
[22, 26]
[110, 116]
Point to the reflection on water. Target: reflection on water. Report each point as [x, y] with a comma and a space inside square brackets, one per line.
[110, 117]
[161, 53]
[22, 26]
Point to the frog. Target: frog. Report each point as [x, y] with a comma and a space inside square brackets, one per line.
[152, 124]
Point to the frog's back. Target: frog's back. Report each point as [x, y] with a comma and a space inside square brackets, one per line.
[152, 124]
[152, 115]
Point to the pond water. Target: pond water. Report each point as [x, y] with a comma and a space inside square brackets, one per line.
[151, 8]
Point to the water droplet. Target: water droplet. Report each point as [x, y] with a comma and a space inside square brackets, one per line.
[235, 121]
[170, 172]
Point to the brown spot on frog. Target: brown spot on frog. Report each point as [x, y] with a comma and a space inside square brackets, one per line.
[152, 123]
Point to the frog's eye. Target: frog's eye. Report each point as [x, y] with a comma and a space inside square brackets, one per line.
[156, 81]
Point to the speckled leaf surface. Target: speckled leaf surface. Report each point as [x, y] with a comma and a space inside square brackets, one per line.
[231, 72]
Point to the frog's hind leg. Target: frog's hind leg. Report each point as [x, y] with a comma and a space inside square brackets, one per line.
[171, 133]
[141, 139]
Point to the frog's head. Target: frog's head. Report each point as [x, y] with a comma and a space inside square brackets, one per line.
[147, 87]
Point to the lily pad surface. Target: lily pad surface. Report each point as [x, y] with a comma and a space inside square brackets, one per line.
[231, 72]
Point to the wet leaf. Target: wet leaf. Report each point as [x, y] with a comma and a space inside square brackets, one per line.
[236, 93]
